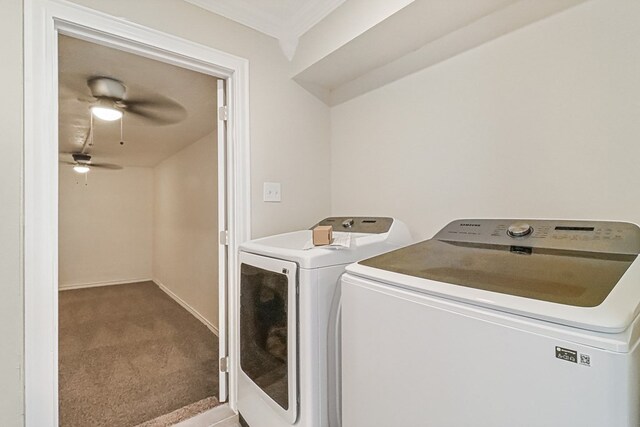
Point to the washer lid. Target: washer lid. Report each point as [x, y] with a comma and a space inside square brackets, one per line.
[577, 273]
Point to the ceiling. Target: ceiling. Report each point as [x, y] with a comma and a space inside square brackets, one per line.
[419, 35]
[286, 20]
[146, 142]
[360, 45]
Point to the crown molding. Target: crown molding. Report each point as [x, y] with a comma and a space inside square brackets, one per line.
[310, 14]
[286, 28]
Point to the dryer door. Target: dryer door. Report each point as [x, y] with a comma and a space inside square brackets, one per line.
[268, 330]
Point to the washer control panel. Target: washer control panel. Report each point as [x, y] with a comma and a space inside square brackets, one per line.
[589, 236]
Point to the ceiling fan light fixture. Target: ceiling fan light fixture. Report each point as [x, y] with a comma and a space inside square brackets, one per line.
[105, 110]
[81, 169]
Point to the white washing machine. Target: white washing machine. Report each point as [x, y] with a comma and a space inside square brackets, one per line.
[289, 320]
[496, 323]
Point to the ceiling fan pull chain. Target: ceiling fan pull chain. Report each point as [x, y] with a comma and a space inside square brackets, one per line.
[91, 129]
[122, 129]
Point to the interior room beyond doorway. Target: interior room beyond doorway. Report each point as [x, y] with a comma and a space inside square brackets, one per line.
[138, 239]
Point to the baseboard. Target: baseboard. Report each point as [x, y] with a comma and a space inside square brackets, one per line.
[187, 307]
[98, 284]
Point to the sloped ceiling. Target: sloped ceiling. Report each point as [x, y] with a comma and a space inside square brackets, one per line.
[146, 143]
[420, 35]
[350, 47]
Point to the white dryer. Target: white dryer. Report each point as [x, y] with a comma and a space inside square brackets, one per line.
[496, 323]
[289, 320]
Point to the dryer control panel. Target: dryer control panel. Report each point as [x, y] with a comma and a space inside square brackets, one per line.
[358, 224]
[587, 236]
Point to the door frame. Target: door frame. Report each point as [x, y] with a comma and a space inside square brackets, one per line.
[43, 20]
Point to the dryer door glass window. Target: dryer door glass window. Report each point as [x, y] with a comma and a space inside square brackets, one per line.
[264, 330]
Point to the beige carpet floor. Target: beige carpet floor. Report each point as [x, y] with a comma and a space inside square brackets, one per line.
[130, 354]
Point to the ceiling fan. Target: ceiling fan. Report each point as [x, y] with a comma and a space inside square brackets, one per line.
[110, 98]
[82, 163]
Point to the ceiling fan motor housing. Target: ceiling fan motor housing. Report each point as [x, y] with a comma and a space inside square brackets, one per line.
[81, 158]
[106, 87]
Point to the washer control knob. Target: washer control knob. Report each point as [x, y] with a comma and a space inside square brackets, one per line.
[519, 229]
[347, 223]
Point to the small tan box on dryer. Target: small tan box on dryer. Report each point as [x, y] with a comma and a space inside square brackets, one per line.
[322, 235]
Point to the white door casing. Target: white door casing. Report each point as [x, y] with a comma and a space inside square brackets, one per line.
[43, 21]
[222, 116]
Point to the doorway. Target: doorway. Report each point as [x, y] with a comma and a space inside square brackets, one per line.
[138, 238]
[44, 21]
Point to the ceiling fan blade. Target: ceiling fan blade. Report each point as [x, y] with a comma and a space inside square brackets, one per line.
[109, 166]
[157, 109]
[87, 99]
[154, 101]
[159, 118]
[64, 162]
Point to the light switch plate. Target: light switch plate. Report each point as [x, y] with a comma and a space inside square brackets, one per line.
[271, 192]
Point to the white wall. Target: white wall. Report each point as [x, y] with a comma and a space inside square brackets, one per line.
[543, 122]
[11, 303]
[288, 125]
[185, 246]
[105, 226]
